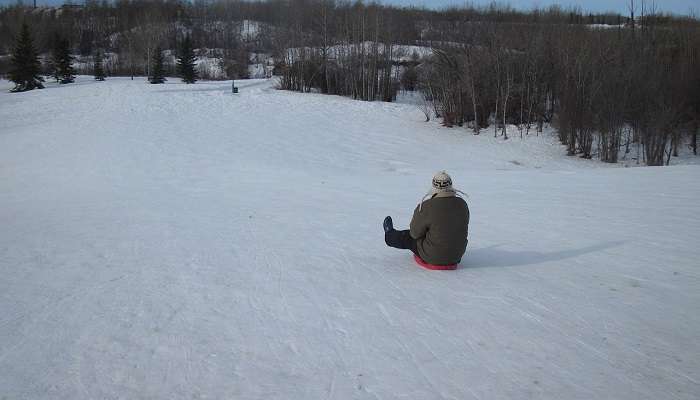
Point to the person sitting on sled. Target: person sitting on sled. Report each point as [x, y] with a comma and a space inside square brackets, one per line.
[439, 227]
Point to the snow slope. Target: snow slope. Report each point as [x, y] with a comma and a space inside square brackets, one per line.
[178, 242]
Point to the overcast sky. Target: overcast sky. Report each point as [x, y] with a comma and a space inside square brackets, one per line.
[674, 6]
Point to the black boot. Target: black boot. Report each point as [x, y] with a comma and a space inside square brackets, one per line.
[388, 225]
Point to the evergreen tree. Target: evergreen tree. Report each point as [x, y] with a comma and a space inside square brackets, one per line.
[157, 69]
[25, 63]
[62, 61]
[185, 62]
[55, 59]
[99, 71]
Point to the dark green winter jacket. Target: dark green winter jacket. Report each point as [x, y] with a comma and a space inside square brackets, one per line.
[440, 227]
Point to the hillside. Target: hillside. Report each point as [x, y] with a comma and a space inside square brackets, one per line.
[177, 241]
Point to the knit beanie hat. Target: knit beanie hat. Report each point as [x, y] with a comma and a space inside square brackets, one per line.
[441, 187]
[441, 182]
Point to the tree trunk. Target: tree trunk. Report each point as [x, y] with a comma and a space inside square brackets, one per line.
[476, 116]
[674, 143]
[505, 107]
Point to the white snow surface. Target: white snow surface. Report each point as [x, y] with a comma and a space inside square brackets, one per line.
[178, 241]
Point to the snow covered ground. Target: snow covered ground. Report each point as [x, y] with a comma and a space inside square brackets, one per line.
[179, 242]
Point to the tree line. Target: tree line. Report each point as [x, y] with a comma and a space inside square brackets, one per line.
[631, 89]
[605, 81]
[25, 66]
[603, 89]
[130, 30]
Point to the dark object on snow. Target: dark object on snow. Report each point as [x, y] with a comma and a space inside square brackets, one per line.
[400, 240]
[439, 227]
[234, 89]
[25, 63]
[432, 267]
[388, 224]
[186, 62]
[62, 61]
[98, 69]
[157, 69]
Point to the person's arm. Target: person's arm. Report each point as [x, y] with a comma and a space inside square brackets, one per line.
[419, 223]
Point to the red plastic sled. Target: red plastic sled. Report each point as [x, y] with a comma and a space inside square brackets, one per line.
[432, 267]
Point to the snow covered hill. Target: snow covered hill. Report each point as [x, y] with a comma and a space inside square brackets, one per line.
[179, 242]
